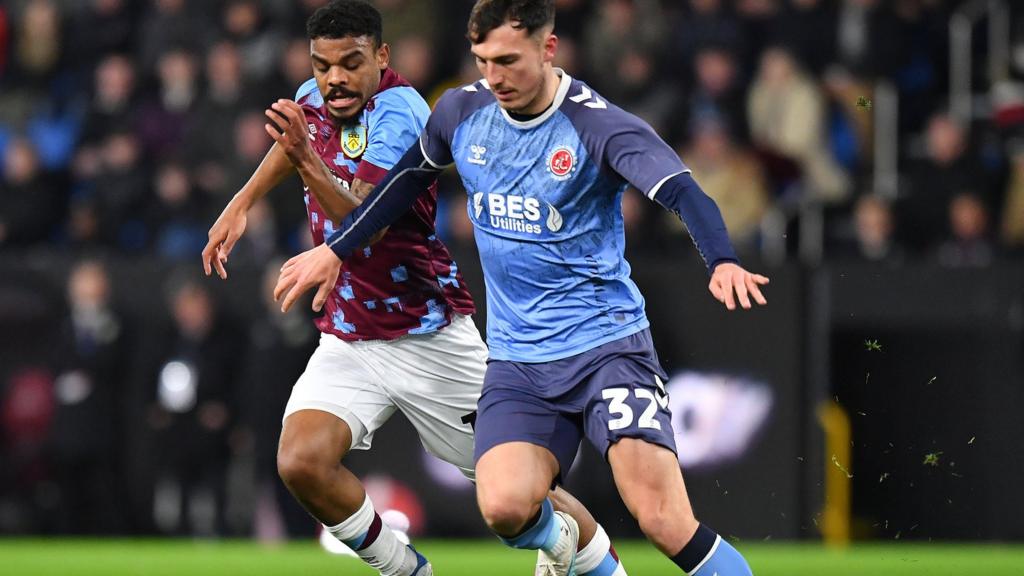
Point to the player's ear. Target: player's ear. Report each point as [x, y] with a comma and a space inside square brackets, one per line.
[383, 55]
[550, 47]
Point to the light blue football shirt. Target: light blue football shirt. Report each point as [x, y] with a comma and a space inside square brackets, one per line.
[545, 198]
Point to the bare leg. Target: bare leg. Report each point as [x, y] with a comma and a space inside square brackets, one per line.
[651, 486]
[309, 456]
[512, 480]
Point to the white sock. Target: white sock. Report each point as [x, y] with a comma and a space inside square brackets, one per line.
[374, 542]
[594, 555]
[563, 542]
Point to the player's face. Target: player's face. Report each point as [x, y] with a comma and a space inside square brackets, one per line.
[516, 65]
[348, 72]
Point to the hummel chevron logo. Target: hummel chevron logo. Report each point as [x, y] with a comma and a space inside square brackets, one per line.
[585, 95]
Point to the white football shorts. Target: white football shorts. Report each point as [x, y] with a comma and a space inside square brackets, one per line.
[433, 379]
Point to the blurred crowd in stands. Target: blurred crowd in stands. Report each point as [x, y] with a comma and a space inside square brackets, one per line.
[126, 125]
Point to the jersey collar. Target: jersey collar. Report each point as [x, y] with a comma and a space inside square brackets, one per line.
[563, 89]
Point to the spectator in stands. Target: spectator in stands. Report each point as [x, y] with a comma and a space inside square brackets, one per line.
[760, 21]
[259, 43]
[293, 69]
[112, 103]
[29, 198]
[948, 169]
[170, 26]
[716, 91]
[622, 39]
[34, 59]
[786, 112]
[730, 175]
[412, 56]
[176, 217]
[210, 134]
[38, 46]
[409, 18]
[874, 231]
[101, 28]
[26, 414]
[118, 187]
[703, 24]
[808, 27]
[164, 118]
[89, 358]
[969, 245]
[192, 408]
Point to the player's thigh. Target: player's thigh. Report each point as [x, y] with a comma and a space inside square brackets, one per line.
[435, 381]
[338, 381]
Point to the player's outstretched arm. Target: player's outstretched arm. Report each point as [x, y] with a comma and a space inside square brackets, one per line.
[230, 225]
[393, 197]
[729, 281]
[287, 126]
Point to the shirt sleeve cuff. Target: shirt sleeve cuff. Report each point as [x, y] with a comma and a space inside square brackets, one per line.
[369, 172]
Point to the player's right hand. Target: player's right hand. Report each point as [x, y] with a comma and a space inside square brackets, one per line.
[287, 126]
[222, 237]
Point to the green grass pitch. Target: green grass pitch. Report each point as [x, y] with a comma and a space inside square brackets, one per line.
[478, 558]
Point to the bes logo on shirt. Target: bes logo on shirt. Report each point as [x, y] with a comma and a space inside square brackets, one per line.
[516, 213]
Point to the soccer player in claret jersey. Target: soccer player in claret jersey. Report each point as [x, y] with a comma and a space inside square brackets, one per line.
[396, 330]
[545, 160]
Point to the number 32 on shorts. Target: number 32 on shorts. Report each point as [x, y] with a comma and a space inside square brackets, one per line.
[617, 398]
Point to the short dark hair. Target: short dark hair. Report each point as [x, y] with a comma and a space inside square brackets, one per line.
[344, 19]
[529, 15]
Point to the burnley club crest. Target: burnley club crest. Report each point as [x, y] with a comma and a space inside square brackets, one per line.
[353, 140]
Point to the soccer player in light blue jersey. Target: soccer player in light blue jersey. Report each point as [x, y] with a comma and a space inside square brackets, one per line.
[545, 161]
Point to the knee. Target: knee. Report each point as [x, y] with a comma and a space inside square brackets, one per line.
[505, 511]
[302, 469]
[668, 530]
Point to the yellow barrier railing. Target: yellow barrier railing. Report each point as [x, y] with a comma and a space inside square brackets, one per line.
[835, 521]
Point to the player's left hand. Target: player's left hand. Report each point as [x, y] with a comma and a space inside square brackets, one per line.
[317, 267]
[729, 278]
[287, 126]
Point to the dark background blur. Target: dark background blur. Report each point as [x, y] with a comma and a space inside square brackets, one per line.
[867, 155]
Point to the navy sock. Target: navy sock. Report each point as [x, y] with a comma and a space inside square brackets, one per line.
[707, 554]
[696, 550]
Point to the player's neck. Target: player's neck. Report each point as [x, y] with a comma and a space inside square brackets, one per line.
[546, 96]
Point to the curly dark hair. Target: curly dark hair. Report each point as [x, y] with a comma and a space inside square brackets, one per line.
[344, 19]
[529, 15]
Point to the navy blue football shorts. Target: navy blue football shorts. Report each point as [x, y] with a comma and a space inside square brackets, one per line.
[608, 393]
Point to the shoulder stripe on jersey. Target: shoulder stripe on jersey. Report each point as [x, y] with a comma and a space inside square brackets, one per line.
[653, 191]
[310, 89]
[423, 150]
